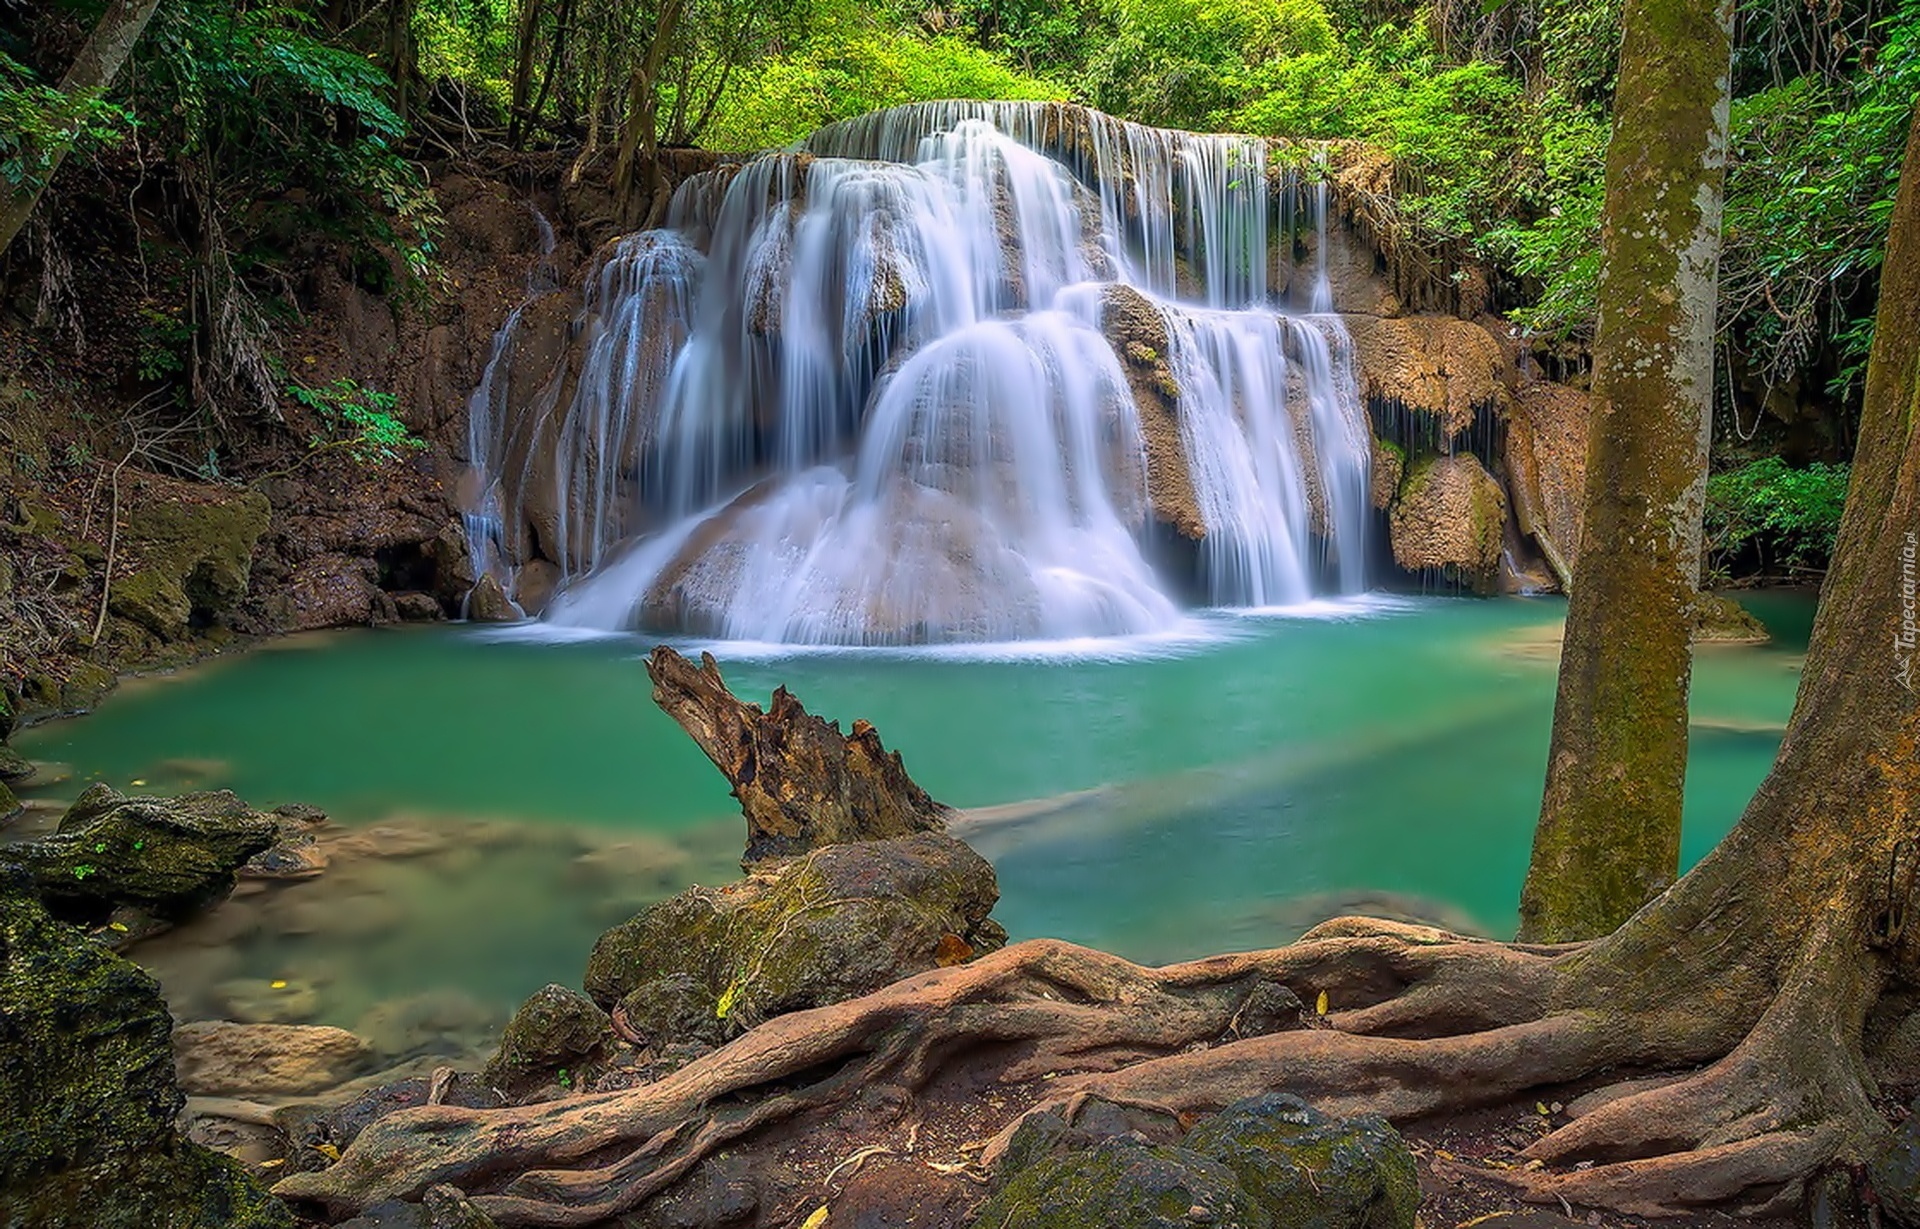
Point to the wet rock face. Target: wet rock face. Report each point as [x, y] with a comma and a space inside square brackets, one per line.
[556, 1031]
[841, 922]
[1546, 457]
[1449, 519]
[1269, 1162]
[87, 1093]
[165, 857]
[1436, 366]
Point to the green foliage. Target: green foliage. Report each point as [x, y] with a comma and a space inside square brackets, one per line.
[38, 123]
[841, 75]
[1187, 63]
[357, 419]
[1788, 517]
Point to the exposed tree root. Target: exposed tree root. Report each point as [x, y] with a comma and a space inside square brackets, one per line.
[1421, 1022]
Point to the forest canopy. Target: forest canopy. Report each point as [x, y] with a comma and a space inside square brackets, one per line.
[268, 121]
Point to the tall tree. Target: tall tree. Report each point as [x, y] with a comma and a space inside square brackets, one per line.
[92, 71]
[1609, 833]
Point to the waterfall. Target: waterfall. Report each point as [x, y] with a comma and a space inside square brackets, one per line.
[868, 391]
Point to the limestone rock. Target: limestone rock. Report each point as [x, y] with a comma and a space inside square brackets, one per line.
[223, 1058]
[555, 1030]
[488, 603]
[838, 923]
[1449, 520]
[333, 590]
[801, 783]
[1718, 619]
[164, 856]
[1389, 466]
[88, 1097]
[1438, 366]
[191, 552]
[1546, 458]
[1138, 334]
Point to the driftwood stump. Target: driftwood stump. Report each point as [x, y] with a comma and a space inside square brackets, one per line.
[801, 782]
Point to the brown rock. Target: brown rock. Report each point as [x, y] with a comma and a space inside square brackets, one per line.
[334, 591]
[1138, 334]
[801, 783]
[1389, 465]
[489, 603]
[1434, 365]
[1449, 519]
[1546, 459]
[222, 1058]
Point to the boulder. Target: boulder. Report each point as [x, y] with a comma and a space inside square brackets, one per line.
[1546, 459]
[1310, 1171]
[489, 603]
[1718, 619]
[1121, 1184]
[88, 1096]
[841, 922]
[1893, 1170]
[1269, 1161]
[190, 548]
[558, 1034]
[9, 805]
[1449, 520]
[801, 783]
[164, 856]
[221, 1058]
[332, 590]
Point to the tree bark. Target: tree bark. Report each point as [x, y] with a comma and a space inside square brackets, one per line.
[98, 63]
[640, 142]
[1609, 833]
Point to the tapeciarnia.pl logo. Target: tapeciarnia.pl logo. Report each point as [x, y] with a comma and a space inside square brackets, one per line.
[1905, 640]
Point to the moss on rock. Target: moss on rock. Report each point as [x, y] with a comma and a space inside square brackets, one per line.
[164, 856]
[1310, 1171]
[1120, 1184]
[555, 1030]
[842, 921]
[88, 1094]
[1449, 519]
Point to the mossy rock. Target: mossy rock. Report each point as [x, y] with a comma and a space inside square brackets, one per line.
[1449, 519]
[9, 805]
[840, 922]
[165, 856]
[1121, 1184]
[557, 1034]
[153, 600]
[1718, 619]
[88, 1094]
[1310, 1171]
[13, 765]
[205, 544]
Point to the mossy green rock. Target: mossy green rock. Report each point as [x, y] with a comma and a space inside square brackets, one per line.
[13, 765]
[165, 856]
[88, 1096]
[204, 545]
[1120, 1184]
[8, 803]
[839, 922]
[1310, 1171]
[1718, 619]
[555, 1030]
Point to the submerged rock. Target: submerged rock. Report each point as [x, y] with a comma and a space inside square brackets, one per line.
[88, 1096]
[841, 922]
[224, 1058]
[1718, 619]
[164, 856]
[13, 765]
[557, 1031]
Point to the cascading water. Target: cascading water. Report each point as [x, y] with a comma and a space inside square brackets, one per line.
[869, 392]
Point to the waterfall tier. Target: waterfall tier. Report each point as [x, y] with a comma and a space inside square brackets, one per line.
[949, 372]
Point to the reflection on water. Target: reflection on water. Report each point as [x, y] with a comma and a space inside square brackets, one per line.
[502, 801]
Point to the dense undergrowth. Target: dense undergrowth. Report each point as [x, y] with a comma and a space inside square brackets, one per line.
[244, 134]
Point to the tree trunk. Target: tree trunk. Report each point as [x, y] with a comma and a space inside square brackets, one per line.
[639, 144]
[92, 70]
[525, 42]
[1753, 978]
[1609, 832]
